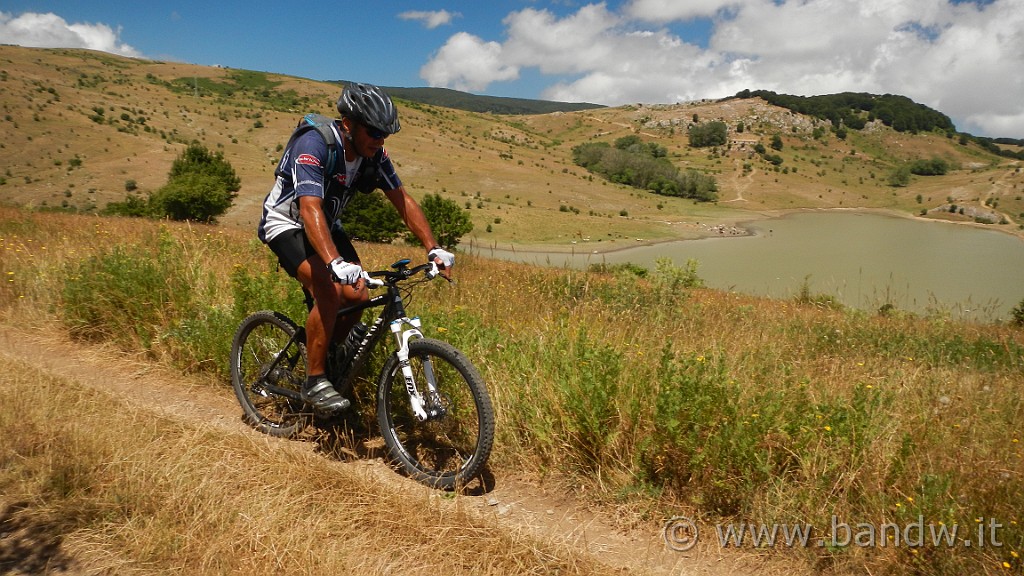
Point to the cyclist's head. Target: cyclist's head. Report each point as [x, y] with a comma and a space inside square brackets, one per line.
[370, 106]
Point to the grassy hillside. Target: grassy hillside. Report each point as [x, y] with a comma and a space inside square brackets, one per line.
[649, 398]
[79, 125]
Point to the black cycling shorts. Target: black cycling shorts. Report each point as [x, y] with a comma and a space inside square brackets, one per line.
[293, 248]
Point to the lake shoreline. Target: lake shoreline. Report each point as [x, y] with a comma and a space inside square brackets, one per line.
[738, 226]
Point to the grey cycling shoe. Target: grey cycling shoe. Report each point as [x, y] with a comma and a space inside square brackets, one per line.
[322, 395]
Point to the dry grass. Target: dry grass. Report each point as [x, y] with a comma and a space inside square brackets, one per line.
[650, 398]
[794, 411]
[123, 490]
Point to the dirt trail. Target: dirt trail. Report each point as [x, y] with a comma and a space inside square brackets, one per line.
[515, 503]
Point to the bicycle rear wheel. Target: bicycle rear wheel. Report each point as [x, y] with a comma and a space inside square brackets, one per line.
[450, 449]
[268, 367]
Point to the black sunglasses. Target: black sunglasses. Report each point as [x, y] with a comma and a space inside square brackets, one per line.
[375, 133]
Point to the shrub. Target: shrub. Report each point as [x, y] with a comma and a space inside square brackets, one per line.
[201, 186]
[934, 167]
[370, 217]
[900, 177]
[1017, 314]
[448, 221]
[126, 293]
[644, 166]
[193, 196]
[713, 133]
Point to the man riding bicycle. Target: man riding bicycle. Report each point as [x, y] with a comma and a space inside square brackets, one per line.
[301, 221]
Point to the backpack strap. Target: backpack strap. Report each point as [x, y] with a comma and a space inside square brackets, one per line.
[368, 178]
[321, 124]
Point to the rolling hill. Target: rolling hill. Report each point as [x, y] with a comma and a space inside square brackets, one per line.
[81, 128]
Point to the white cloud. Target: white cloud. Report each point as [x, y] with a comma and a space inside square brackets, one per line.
[430, 19]
[51, 31]
[669, 10]
[468, 63]
[963, 59]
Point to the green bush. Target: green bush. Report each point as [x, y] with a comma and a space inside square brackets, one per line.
[199, 197]
[372, 218]
[201, 186]
[644, 166]
[1017, 314]
[712, 442]
[714, 133]
[934, 167]
[447, 219]
[127, 293]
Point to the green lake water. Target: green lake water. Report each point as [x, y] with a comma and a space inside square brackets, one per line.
[864, 260]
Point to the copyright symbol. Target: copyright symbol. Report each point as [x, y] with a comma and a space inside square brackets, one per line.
[681, 533]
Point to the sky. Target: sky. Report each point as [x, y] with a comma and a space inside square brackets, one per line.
[964, 58]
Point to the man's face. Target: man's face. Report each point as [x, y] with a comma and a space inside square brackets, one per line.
[367, 140]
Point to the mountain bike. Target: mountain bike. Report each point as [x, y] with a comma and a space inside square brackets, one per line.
[432, 407]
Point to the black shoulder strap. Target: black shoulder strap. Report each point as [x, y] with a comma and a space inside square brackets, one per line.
[368, 178]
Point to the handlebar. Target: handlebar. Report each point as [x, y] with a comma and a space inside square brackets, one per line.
[400, 272]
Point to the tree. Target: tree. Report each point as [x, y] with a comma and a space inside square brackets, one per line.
[447, 219]
[714, 133]
[200, 186]
[370, 217]
[196, 159]
[197, 196]
[776, 143]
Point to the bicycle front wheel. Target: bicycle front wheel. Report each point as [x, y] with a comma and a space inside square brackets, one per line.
[268, 367]
[451, 447]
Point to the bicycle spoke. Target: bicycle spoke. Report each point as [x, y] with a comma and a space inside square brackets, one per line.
[448, 449]
[265, 359]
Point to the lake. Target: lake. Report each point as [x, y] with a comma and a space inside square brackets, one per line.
[865, 260]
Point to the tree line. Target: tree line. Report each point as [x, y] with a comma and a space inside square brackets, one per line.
[854, 110]
[633, 162]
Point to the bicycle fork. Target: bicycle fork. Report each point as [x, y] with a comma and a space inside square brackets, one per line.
[423, 409]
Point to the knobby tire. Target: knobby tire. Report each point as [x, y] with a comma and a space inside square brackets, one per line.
[260, 339]
[449, 451]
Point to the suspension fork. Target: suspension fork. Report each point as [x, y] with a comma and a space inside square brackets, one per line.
[405, 329]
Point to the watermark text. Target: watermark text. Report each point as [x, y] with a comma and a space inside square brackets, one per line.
[682, 534]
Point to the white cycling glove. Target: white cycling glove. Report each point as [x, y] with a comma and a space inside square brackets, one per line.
[447, 258]
[345, 272]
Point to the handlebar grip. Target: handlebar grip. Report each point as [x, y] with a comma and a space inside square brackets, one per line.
[433, 271]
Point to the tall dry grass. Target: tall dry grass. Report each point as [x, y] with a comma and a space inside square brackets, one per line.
[128, 491]
[659, 397]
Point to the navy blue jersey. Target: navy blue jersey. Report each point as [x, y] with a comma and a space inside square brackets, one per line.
[301, 172]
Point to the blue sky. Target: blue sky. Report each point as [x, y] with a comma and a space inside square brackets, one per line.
[964, 58]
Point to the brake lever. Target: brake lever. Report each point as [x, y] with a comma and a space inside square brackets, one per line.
[434, 271]
[372, 282]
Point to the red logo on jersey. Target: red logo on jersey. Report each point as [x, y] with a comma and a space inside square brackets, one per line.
[308, 159]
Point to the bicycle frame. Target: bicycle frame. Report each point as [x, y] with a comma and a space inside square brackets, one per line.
[404, 330]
